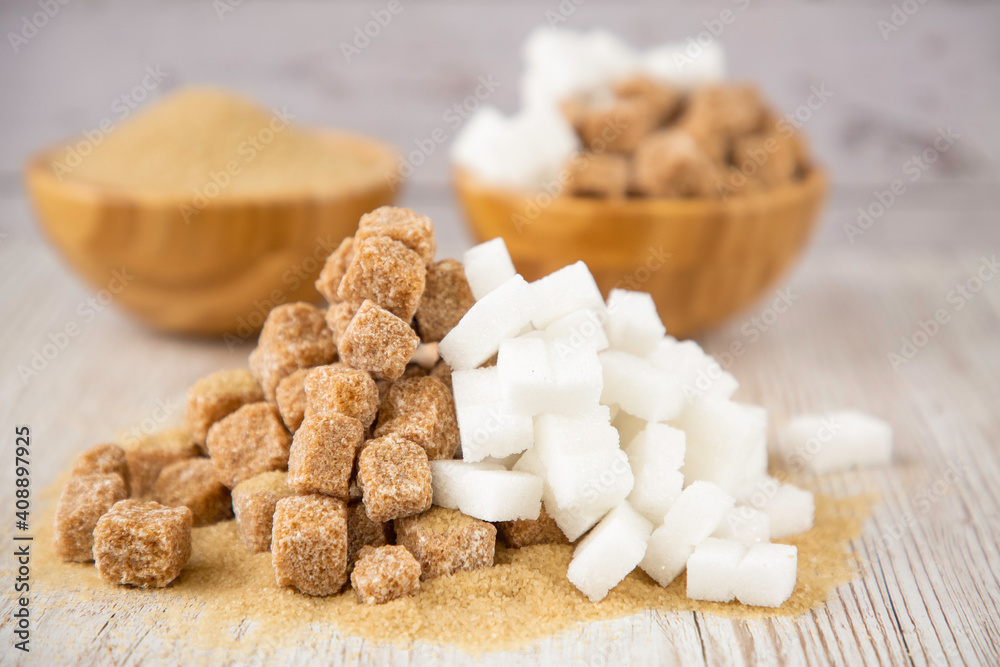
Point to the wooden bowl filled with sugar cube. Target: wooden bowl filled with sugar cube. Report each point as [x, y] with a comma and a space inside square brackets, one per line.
[203, 211]
[699, 194]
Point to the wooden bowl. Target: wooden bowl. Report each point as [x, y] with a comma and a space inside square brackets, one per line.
[702, 260]
[221, 271]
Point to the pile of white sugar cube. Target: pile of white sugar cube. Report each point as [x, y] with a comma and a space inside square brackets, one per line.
[627, 437]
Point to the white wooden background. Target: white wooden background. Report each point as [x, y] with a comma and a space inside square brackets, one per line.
[928, 591]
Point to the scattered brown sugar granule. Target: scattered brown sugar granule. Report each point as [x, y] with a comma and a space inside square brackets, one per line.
[338, 316]
[142, 544]
[323, 453]
[447, 297]
[309, 544]
[104, 459]
[339, 389]
[151, 454]
[619, 126]
[670, 163]
[334, 270]
[385, 573]
[294, 336]
[597, 175]
[661, 98]
[442, 371]
[194, 484]
[84, 500]
[446, 541]
[395, 478]
[253, 504]
[527, 532]
[386, 272]
[413, 230]
[248, 442]
[378, 342]
[214, 396]
[291, 398]
[363, 532]
[422, 410]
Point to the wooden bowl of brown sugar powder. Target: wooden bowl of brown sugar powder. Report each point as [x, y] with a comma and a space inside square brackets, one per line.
[202, 212]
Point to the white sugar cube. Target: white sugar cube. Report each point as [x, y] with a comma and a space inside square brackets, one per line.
[766, 576]
[500, 495]
[448, 480]
[791, 510]
[581, 328]
[487, 266]
[492, 430]
[639, 388]
[595, 479]
[526, 375]
[611, 550]
[665, 557]
[655, 455]
[836, 441]
[699, 373]
[500, 314]
[572, 521]
[696, 513]
[745, 525]
[726, 441]
[579, 379]
[564, 291]
[633, 324]
[673, 64]
[711, 570]
[477, 386]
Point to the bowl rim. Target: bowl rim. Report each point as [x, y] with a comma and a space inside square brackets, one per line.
[814, 180]
[38, 170]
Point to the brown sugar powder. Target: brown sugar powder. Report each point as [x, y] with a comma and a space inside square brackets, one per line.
[227, 599]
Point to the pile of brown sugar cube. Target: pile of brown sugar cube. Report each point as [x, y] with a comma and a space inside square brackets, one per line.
[644, 138]
[321, 450]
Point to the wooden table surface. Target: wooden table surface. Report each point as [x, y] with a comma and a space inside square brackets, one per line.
[928, 589]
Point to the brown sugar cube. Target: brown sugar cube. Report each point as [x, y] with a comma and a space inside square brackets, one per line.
[597, 175]
[253, 504]
[732, 109]
[291, 398]
[395, 478]
[294, 336]
[386, 272]
[338, 389]
[447, 298]
[663, 99]
[526, 532]
[248, 442]
[769, 158]
[149, 455]
[83, 500]
[422, 410]
[619, 126]
[334, 270]
[446, 541]
[413, 230]
[104, 459]
[413, 371]
[442, 371]
[378, 342]
[670, 164]
[194, 484]
[309, 544]
[142, 544]
[338, 316]
[363, 532]
[214, 396]
[384, 574]
[323, 453]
